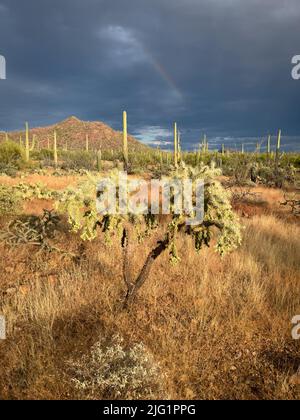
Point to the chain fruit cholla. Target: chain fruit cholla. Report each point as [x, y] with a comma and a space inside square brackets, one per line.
[219, 221]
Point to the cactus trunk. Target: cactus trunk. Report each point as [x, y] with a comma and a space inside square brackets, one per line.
[26, 142]
[125, 140]
[55, 149]
[87, 143]
[99, 157]
[175, 146]
[269, 144]
[279, 140]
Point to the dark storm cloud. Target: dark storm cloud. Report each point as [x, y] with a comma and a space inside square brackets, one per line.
[222, 67]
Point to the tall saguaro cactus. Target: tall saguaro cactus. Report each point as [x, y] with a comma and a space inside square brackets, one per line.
[269, 145]
[125, 140]
[26, 142]
[175, 145]
[28, 148]
[279, 140]
[87, 143]
[179, 146]
[55, 149]
[277, 181]
[99, 157]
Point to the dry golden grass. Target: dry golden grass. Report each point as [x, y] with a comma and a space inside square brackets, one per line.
[220, 329]
[51, 182]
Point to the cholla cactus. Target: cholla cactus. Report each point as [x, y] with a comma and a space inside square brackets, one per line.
[80, 205]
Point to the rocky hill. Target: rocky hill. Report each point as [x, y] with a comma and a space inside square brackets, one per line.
[71, 134]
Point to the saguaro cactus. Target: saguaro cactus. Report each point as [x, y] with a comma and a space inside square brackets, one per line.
[87, 142]
[279, 140]
[179, 146]
[125, 140]
[55, 149]
[223, 149]
[175, 145]
[269, 145]
[243, 149]
[99, 157]
[27, 152]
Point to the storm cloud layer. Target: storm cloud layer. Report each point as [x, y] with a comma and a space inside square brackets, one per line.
[220, 67]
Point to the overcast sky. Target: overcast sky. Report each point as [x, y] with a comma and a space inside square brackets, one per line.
[220, 67]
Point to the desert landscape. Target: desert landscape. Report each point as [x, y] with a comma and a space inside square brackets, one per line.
[149, 204]
[202, 327]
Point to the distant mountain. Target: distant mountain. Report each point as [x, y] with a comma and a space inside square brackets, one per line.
[72, 133]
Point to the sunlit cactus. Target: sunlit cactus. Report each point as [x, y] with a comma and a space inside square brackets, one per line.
[269, 145]
[27, 147]
[99, 158]
[279, 140]
[55, 149]
[87, 142]
[175, 146]
[125, 140]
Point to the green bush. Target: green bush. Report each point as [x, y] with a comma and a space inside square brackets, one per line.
[78, 160]
[10, 202]
[10, 154]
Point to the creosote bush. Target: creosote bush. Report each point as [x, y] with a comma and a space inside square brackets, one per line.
[117, 372]
[10, 153]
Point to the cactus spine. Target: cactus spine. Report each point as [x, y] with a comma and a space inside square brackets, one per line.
[125, 140]
[55, 149]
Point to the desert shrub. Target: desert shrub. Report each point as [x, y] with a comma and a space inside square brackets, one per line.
[8, 170]
[78, 160]
[117, 372]
[29, 191]
[10, 154]
[9, 201]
